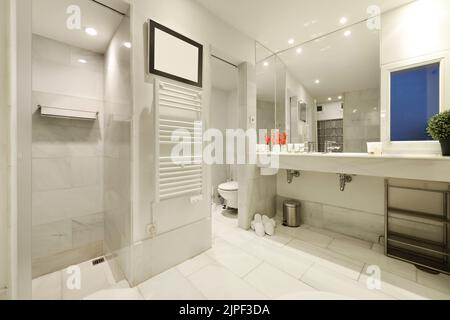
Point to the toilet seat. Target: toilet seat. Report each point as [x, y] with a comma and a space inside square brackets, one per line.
[229, 186]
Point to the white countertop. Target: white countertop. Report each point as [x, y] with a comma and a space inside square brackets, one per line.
[403, 166]
[363, 155]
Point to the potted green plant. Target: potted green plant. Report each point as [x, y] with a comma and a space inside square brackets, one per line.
[439, 129]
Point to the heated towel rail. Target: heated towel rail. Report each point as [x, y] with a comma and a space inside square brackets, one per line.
[179, 124]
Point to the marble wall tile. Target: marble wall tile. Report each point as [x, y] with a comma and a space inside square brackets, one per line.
[354, 223]
[358, 224]
[51, 174]
[256, 194]
[361, 119]
[87, 229]
[263, 191]
[86, 142]
[49, 239]
[55, 205]
[58, 261]
[154, 256]
[86, 171]
[67, 168]
[49, 140]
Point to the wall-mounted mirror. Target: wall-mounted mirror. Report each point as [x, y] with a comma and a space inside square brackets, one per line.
[326, 90]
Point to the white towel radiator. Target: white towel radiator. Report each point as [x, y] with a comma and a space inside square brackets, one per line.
[178, 119]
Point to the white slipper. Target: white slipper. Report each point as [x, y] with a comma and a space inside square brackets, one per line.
[259, 226]
[269, 225]
[274, 223]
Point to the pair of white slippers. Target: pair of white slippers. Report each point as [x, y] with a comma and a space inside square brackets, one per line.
[263, 225]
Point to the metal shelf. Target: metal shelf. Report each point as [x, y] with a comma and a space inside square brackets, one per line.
[406, 247]
[418, 259]
[420, 215]
[422, 244]
[66, 113]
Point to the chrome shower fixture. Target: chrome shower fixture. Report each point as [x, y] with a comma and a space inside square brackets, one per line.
[343, 180]
[291, 174]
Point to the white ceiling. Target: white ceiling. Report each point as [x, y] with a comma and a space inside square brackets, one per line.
[49, 20]
[342, 64]
[274, 22]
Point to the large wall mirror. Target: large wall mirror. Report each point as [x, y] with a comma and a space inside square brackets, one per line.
[324, 90]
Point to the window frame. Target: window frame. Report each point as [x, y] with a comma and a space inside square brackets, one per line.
[424, 147]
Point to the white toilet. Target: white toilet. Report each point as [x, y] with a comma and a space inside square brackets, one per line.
[229, 191]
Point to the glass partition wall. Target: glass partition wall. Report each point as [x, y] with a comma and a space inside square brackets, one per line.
[271, 94]
[324, 91]
[81, 139]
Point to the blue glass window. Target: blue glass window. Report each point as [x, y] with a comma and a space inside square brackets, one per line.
[414, 100]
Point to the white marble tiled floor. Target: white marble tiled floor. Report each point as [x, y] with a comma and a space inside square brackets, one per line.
[304, 263]
[93, 279]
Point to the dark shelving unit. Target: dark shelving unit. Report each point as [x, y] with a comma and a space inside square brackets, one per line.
[424, 253]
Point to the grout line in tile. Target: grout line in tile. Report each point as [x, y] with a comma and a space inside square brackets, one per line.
[360, 273]
[303, 275]
[333, 238]
[328, 245]
[307, 270]
[253, 269]
[197, 288]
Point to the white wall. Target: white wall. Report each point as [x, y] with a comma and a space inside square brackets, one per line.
[223, 116]
[67, 169]
[361, 119]
[174, 221]
[417, 29]
[417, 33]
[257, 194]
[331, 111]
[296, 88]
[265, 116]
[4, 147]
[358, 212]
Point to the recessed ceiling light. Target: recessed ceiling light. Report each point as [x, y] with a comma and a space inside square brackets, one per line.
[329, 99]
[291, 41]
[266, 64]
[343, 20]
[340, 97]
[82, 61]
[348, 33]
[299, 50]
[91, 31]
[127, 45]
[317, 81]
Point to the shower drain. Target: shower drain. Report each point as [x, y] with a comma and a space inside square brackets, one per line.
[98, 261]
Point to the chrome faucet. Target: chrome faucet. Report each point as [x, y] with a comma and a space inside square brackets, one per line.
[291, 174]
[343, 180]
[331, 146]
